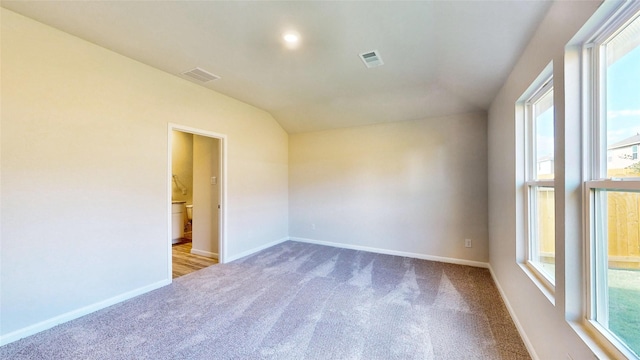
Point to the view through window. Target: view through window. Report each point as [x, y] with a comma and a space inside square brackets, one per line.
[616, 190]
[540, 174]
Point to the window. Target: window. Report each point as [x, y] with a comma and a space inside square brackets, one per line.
[539, 187]
[612, 189]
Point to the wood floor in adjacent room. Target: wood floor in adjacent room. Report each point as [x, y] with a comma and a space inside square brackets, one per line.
[184, 262]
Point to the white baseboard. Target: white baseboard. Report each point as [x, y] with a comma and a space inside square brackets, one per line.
[523, 335]
[57, 320]
[394, 252]
[204, 253]
[49, 323]
[254, 250]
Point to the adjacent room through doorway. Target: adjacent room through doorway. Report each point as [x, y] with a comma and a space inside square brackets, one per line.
[195, 180]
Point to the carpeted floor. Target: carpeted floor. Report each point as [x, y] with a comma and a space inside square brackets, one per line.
[298, 301]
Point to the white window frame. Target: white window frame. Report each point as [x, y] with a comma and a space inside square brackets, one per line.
[596, 183]
[539, 88]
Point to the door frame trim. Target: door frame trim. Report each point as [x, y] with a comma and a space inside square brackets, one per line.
[222, 213]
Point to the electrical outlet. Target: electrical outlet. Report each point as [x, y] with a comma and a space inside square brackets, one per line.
[467, 243]
[313, 226]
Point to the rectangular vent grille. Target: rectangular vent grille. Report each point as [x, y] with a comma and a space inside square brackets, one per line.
[371, 58]
[201, 75]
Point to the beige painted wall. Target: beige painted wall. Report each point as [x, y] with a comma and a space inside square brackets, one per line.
[85, 173]
[205, 196]
[416, 186]
[544, 323]
[182, 165]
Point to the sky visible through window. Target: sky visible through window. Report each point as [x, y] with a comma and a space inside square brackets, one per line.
[621, 219]
[623, 104]
[623, 97]
[544, 134]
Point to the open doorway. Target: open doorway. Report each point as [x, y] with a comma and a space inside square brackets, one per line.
[196, 198]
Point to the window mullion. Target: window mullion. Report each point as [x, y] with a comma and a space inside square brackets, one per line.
[541, 183]
[621, 185]
[533, 228]
[600, 103]
[601, 258]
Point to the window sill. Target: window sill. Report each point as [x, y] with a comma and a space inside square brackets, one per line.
[538, 279]
[601, 347]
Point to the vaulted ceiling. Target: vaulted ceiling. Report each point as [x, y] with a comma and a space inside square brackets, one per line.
[440, 57]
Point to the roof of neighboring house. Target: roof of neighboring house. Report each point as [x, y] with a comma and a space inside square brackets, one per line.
[634, 140]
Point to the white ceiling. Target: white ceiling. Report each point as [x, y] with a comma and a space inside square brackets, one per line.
[440, 57]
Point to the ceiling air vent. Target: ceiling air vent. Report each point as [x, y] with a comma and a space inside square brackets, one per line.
[371, 58]
[201, 75]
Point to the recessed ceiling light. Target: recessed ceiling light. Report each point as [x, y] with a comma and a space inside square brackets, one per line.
[291, 38]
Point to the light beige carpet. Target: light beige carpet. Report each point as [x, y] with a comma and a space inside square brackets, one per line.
[298, 301]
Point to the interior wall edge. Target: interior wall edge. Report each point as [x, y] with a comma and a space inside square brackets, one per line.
[448, 260]
[254, 250]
